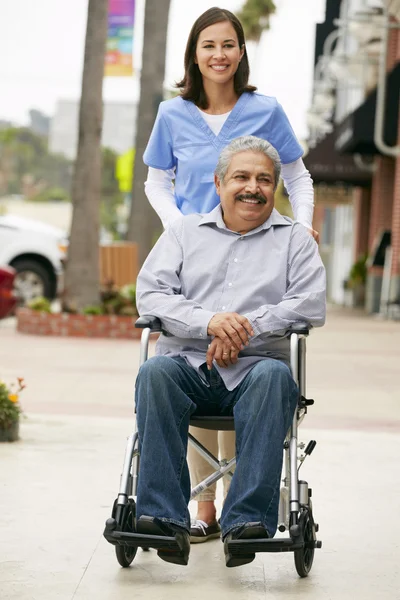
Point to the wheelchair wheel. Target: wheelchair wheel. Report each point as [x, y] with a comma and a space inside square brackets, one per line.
[303, 558]
[126, 554]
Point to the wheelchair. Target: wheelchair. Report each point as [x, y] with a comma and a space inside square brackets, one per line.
[295, 504]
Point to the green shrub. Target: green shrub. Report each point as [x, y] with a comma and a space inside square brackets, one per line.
[93, 310]
[358, 272]
[128, 292]
[118, 301]
[53, 194]
[128, 311]
[40, 304]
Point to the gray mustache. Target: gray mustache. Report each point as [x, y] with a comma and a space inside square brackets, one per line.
[251, 197]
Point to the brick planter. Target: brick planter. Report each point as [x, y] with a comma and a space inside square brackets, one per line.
[64, 324]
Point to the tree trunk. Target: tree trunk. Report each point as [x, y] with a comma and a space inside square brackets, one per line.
[82, 271]
[144, 224]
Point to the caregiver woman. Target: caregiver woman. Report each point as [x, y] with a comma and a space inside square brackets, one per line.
[216, 105]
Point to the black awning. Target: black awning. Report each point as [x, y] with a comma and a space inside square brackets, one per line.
[356, 133]
[326, 165]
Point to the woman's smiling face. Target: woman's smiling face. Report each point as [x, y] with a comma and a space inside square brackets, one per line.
[218, 53]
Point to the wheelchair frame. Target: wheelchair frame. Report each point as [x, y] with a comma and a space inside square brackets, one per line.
[295, 506]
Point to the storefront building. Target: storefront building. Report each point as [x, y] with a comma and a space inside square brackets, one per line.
[354, 155]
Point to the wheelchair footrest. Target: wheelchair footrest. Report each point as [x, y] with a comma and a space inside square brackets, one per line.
[139, 540]
[239, 547]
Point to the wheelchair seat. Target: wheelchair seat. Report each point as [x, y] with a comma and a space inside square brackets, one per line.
[214, 423]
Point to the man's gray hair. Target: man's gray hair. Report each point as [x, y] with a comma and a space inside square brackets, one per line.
[248, 143]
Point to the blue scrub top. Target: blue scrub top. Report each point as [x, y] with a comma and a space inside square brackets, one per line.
[182, 139]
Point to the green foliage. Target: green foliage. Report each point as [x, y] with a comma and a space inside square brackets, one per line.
[282, 202]
[111, 197]
[9, 410]
[115, 301]
[128, 292]
[26, 162]
[54, 194]
[40, 304]
[28, 168]
[119, 301]
[254, 17]
[93, 310]
[358, 272]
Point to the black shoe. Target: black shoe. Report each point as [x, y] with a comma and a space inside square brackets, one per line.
[153, 526]
[248, 531]
[202, 532]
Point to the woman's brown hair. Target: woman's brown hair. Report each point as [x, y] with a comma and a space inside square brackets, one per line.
[191, 85]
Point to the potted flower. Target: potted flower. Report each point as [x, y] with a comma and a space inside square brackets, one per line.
[10, 410]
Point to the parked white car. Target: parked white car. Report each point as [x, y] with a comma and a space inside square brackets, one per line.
[37, 252]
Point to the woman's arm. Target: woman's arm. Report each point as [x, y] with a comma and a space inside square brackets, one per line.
[160, 193]
[299, 186]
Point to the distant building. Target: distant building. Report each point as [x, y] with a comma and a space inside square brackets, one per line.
[5, 124]
[119, 127]
[40, 123]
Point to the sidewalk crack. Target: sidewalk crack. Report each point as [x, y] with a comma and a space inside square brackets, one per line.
[86, 568]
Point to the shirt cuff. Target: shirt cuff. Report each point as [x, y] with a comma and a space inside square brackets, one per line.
[199, 323]
[255, 325]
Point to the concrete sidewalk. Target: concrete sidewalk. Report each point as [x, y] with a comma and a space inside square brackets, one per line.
[58, 483]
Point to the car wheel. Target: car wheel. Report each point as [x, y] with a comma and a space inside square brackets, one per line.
[31, 280]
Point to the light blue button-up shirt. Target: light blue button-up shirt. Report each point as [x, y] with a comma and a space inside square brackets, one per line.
[273, 275]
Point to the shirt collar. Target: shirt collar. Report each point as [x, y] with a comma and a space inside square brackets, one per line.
[215, 217]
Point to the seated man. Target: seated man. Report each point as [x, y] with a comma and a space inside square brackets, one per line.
[226, 286]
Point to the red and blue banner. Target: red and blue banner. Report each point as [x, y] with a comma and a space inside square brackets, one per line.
[121, 16]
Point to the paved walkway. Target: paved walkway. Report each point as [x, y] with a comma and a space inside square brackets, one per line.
[57, 484]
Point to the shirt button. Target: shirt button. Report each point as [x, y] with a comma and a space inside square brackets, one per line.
[229, 284]
[224, 307]
[235, 260]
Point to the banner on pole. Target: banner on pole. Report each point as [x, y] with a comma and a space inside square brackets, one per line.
[124, 170]
[118, 62]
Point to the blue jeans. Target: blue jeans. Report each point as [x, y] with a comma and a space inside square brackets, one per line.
[168, 392]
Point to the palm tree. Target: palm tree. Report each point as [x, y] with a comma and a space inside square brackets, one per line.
[254, 17]
[143, 223]
[82, 271]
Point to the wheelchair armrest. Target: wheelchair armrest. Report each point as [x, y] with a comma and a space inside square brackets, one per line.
[152, 323]
[301, 328]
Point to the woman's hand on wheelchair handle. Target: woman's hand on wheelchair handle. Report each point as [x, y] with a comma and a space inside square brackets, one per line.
[314, 234]
[231, 328]
[223, 353]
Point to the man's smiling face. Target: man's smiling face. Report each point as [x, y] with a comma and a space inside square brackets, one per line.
[247, 191]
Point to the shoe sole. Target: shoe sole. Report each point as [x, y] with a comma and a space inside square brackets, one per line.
[237, 561]
[194, 539]
[171, 556]
[176, 558]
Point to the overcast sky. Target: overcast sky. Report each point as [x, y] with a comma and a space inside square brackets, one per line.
[42, 43]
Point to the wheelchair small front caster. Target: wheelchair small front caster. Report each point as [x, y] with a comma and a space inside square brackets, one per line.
[303, 557]
[126, 554]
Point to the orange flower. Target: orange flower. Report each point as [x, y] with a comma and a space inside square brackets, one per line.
[13, 397]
